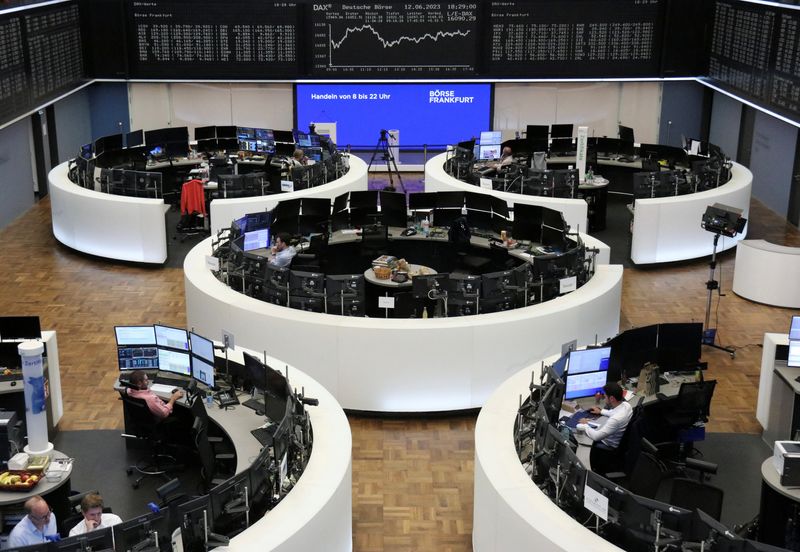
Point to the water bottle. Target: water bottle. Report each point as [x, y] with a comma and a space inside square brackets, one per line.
[209, 398]
[426, 227]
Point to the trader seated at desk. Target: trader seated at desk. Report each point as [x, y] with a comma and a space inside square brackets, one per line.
[157, 407]
[93, 516]
[38, 526]
[299, 159]
[282, 253]
[506, 159]
[604, 456]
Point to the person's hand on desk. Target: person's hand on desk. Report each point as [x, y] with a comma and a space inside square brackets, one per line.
[177, 394]
[596, 410]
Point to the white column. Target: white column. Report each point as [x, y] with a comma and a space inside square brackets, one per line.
[35, 399]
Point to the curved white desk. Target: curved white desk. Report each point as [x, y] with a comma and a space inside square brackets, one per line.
[767, 273]
[510, 512]
[223, 211]
[320, 504]
[437, 180]
[667, 229]
[414, 365]
[106, 225]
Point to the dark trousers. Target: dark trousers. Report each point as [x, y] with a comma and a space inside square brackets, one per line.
[605, 460]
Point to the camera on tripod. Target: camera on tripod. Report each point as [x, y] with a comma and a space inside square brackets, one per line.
[721, 219]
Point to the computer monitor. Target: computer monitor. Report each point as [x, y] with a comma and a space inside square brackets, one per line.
[422, 200]
[302, 140]
[135, 138]
[146, 532]
[229, 502]
[496, 283]
[573, 475]
[196, 519]
[450, 200]
[99, 540]
[135, 335]
[679, 345]
[285, 136]
[424, 285]
[527, 224]
[173, 338]
[137, 357]
[639, 522]
[347, 285]
[563, 130]
[491, 137]
[203, 371]
[364, 200]
[9, 355]
[205, 133]
[464, 284]
[20, 327]
[176, 362]
[586, 384]
[613, 492]
[257, 239]
[261, 482]
[794, 328]
[793, 359]
[560, 365]
[589, 360]
[310, 284]
[257, 221]
[626, 134]
[490, 152]
[202, 347]
[41, 547]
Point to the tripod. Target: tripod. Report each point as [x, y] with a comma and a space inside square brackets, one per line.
[391, 166]
[710, 334]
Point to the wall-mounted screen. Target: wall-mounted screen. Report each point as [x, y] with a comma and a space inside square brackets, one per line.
[433, 114]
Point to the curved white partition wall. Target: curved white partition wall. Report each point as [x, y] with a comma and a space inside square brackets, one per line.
[110, 226]
[223, 211]
[320, 504]
[134, 229]
[764, 272]
[510, 512]
[437, 180]
[414, 365]
[667, 229]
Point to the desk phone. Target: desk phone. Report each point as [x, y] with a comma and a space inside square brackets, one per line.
[227, 398]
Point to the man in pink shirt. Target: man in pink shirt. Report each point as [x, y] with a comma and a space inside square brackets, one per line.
[158, 407]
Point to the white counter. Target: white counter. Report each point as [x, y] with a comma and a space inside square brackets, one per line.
[767, 273]
[510, 512]
[437, 180]
[667, 229]
[413, 365]
[224, 211]
[106, 225]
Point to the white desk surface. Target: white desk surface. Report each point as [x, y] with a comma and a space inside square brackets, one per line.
[44, 487]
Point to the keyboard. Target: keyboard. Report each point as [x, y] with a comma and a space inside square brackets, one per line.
[172, 382]
[161, 388]
[572, 421]
[255, 404]
[264, 435]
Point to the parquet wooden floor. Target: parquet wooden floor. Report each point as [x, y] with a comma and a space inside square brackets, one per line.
[412, 478]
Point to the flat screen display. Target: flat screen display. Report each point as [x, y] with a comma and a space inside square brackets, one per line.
[203, 371]
[794, 354]
[489, 152]
[137, 357]
[435, 114]
[258, 239]
[589, 360]
[20, 327]
[560, 366]
[794, 329]
[135, 335]
[202, 347]
[176, 362]
[491, 137]
[586, 384]
[174, 338]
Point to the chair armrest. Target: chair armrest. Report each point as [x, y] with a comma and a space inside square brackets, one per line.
[225, 456]
[616, 476]
[701, 465]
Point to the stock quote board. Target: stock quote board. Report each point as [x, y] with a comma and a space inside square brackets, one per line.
[235, 39]
[40, 57]
[755, 52]
[590, 38]
[390, 39]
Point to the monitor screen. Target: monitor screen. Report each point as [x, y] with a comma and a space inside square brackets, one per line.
[560, 366]
[99, 539]
[202, 347]
[585, 384]
[589, 360]
[794, 328]
[149, 529]
[203, 371]
[258, 239]
[174, 338]
[794, 354]
[20, 327]
[135, 335]
[489, 152]
[491, 137]
[302, 140]
[176, 362]
[137, 357]
[135, 138]
[625, 133]
[561, 131]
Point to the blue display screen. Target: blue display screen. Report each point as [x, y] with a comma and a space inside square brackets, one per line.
[435, 113]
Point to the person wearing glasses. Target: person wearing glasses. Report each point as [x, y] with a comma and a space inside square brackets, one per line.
[93, 516]
[38, 526]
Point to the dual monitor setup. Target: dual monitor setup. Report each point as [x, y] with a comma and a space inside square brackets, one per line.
[178, 355]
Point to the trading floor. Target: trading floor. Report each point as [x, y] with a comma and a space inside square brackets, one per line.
[412, 477]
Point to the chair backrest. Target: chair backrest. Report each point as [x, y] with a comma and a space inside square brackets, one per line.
[139, 420]
[692, 494]
[646, 476]
[539, 160]
[694, 398]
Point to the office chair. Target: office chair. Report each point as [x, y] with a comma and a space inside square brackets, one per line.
[374, 240]
[210, 460]
[692, 494]
[143, 426]
[691, 406]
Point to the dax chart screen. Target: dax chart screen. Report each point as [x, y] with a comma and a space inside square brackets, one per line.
[394, 38]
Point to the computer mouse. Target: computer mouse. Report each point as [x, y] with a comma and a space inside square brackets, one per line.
[175, 390]
[409, 232]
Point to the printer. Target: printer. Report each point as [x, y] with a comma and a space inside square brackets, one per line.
[786, 459]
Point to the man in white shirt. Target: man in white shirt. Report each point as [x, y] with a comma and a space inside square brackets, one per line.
[604, 456]
[282, 253]
[93, 516]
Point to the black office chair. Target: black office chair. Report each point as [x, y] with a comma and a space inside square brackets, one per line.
[692, 405]
[374, 240]
[141, 425]
[212, 463]
[692, 494]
